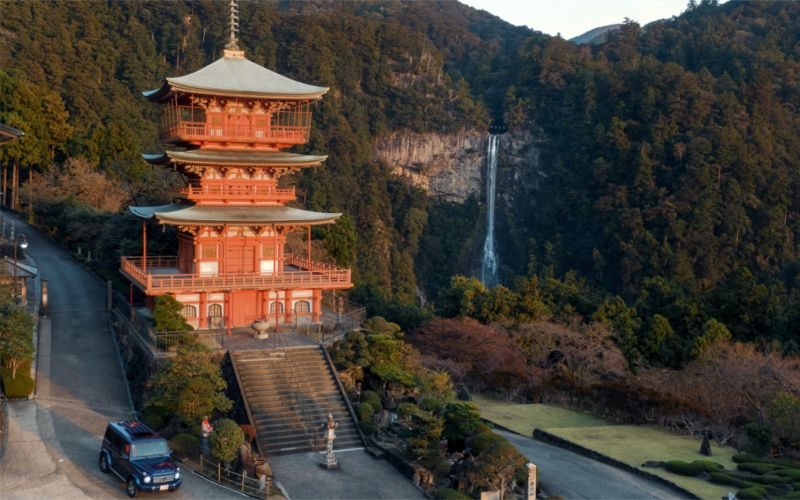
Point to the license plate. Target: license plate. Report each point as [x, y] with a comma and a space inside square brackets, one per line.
[164, 487]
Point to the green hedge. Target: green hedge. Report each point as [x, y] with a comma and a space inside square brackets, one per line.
[365, 411]
[793, 474]
[373, 398]
[485, 440]
[753, 492]
[730, 480]
[683, 468]
[758, 467]
[185, 446]
[746, 457]
[708, 466]
[772, 478]
[20, 387]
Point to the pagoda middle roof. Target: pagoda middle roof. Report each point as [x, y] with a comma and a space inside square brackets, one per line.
[232, 157]
[177, 214]
[237, 76]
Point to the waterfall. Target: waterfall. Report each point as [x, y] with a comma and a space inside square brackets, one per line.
[489, 258]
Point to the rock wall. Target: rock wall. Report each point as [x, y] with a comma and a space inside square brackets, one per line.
[448, 166]
[451, 166]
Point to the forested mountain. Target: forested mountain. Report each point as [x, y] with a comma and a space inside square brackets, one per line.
[669, 155]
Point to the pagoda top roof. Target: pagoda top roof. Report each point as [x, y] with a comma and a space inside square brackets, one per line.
[176, 214]
[232, 157]
[8, 134]
[234, 75]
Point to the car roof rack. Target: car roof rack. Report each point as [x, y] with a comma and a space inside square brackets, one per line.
[136, 428]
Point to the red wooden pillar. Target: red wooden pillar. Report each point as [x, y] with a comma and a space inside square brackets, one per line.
[287, 306]
[203, 312]
[144, 246]
[229, 310]
[308, 254]
[277, 311]
[316, 306]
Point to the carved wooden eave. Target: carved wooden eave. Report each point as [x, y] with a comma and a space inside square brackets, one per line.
[193, 230]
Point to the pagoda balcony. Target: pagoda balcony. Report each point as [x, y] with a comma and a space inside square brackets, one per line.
[193, 125]
[211, 192]
[161, 276]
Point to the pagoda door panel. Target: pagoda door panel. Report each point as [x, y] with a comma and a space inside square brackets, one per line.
[241, 260]
[245, 307]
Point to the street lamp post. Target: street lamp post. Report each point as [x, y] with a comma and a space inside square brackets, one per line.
[23, 243]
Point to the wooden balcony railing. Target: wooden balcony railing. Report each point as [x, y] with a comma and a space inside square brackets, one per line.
[237, 192]
[198, 131]
[310, 274]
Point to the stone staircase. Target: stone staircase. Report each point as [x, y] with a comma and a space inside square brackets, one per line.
[288, 394]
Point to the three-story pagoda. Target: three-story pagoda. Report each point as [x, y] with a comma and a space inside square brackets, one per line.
[224, 128]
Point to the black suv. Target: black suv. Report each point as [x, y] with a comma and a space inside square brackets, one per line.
[140, 457]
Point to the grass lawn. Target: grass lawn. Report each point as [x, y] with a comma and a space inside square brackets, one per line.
[636, 444]
[522, 419]
[630, 444]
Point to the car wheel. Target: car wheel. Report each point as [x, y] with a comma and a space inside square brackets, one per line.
[131, 488]
[104, 463]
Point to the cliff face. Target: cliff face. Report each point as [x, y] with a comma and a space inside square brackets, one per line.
[451, 166]
[447, 166]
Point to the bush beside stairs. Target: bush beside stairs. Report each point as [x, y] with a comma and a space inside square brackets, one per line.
[288, 394]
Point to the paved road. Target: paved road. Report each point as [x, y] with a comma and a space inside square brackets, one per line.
[574, 476]
[53, 441]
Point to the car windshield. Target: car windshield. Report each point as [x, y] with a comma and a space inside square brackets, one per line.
[149, 448]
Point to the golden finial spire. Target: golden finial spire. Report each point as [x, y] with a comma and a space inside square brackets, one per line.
[232, 47]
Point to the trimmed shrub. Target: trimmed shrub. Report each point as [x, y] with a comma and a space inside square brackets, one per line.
[683, 468]
[753, 492]
[373, 398]
[708, 466]
[771, 478]
[364, 411]
[367, 427]
[450, 494]
[185, 446]
[155, 417]
[758, 467]
[793, 474]
[20, 387]
[485, 440]
[729, 480]
[225, 440]
[746, 457]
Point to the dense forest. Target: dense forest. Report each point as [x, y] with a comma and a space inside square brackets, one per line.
[668, 201]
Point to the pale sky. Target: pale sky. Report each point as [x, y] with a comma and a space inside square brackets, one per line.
[575, 17]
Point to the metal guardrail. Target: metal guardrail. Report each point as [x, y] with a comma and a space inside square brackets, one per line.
[250, 486]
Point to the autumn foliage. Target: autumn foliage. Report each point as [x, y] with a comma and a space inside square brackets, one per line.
[483, 357]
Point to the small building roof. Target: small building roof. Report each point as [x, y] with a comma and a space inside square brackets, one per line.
[236, 76]
[176, 214]
[238, 158]
[23, 270]
[8, 134]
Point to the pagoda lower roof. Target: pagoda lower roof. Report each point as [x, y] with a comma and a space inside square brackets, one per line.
[8, 134]
[194, 215]
[236, 76]
[234, 157]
